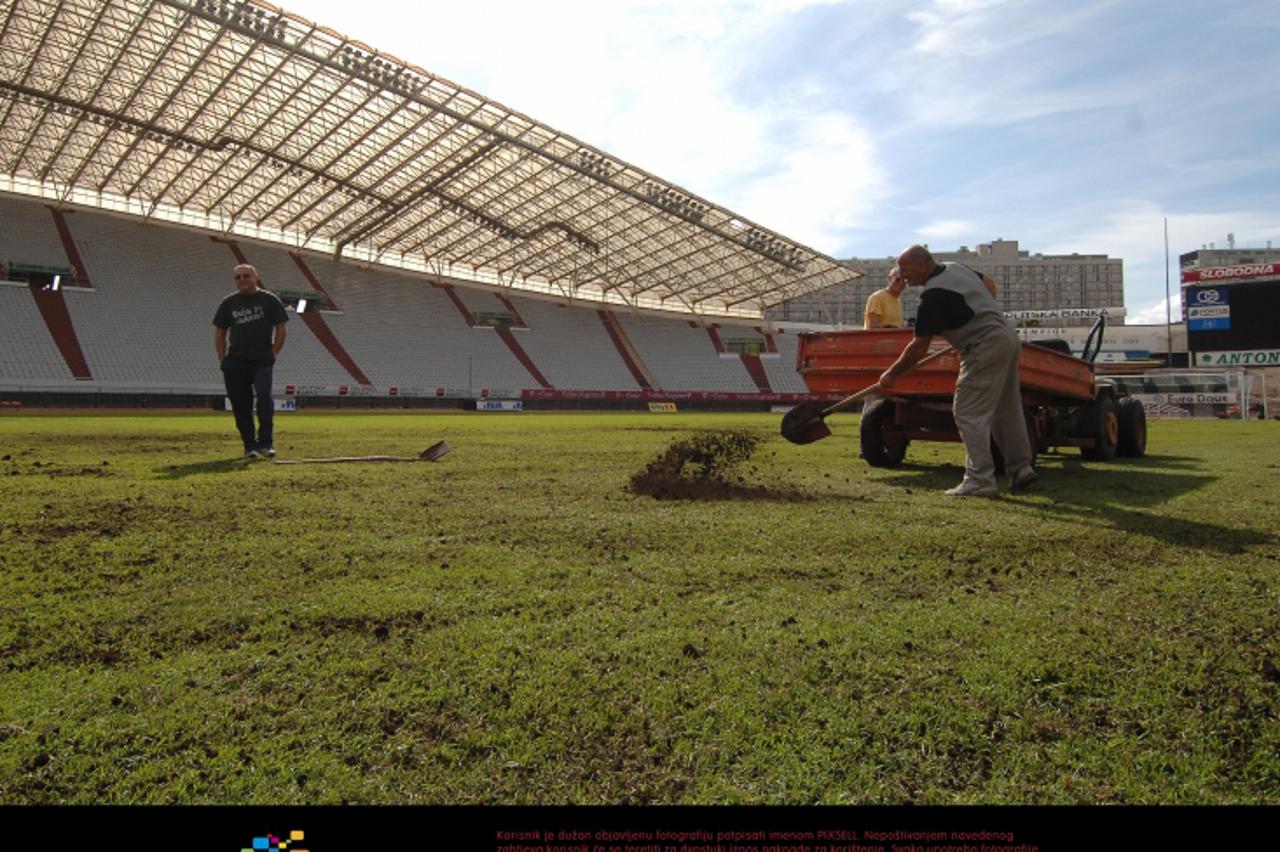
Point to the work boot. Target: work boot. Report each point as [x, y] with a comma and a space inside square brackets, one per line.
[1023, 480]
[973, 488]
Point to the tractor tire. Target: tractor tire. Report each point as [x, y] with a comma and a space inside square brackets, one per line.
[1104, 428]
[1132, 421]
[883, 444]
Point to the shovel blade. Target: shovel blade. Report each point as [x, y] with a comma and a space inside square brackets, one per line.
[435, 451]
[804, 425]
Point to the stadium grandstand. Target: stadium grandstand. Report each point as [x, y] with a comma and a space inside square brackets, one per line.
[434, 245]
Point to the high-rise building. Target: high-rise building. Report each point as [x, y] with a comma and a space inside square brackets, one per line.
[1024, 282]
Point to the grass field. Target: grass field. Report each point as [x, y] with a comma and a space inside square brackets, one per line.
[512, 625]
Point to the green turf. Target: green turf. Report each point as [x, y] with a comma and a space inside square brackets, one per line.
[511, 625]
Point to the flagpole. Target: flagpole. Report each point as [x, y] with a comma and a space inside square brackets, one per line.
[1168, 306]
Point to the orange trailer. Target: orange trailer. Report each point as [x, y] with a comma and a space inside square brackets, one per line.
[1066, 403]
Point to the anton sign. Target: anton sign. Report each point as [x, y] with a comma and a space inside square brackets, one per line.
[1248, 358]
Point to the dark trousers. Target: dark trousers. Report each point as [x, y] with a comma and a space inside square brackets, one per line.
[243, 384]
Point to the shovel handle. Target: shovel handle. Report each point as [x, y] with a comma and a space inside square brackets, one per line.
[340, 459]
[865, 392]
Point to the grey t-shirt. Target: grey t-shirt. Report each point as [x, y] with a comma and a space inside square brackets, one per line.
[957, 305]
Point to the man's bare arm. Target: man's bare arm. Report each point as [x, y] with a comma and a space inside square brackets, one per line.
[220, 342]
[278, 342]
[911, 355]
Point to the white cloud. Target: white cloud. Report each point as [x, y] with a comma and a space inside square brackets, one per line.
[823, 183]
[947, 229]
[979, 62]
[1156, 314]
[947, 22]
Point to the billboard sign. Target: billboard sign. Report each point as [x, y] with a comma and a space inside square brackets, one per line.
[1244, 358]
[1066, 313]
[1208, 309]
[1244, 272]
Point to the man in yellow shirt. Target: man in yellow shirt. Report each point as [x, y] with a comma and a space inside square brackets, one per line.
[884, 310]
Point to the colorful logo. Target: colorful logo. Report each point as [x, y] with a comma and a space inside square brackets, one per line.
[271, 843]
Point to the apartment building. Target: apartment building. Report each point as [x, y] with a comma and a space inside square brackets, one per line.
[1024, 281]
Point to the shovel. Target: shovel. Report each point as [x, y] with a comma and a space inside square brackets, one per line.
[804, 423]
[431, 453]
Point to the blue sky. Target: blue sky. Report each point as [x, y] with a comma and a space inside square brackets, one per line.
[861, 127]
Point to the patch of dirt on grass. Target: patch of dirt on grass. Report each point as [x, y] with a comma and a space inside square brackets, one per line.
[699, 469]
[51, 470]
[380, 629]
[98, 471]
[100, 527]
[102, 519]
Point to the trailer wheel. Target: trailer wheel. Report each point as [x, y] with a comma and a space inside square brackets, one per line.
[1131, 418]
[883, 443]
[1104, 428]
[1034, 438]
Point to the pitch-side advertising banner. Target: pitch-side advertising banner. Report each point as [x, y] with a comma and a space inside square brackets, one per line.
[277, 404]
[1246, 358]
[499, 405]
[1205, 398]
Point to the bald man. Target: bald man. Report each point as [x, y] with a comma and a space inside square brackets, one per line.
[960, 305]
[255, 321]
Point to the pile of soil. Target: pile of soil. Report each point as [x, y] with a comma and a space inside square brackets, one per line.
[696, 469]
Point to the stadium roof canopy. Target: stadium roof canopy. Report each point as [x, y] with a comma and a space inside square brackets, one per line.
[245, 119]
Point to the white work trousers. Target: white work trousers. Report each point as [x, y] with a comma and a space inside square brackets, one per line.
[989, 403]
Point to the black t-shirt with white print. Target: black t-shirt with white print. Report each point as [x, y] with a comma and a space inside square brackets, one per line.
[250, 321]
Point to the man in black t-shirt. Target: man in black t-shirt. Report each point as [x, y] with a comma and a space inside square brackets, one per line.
[254, 319]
